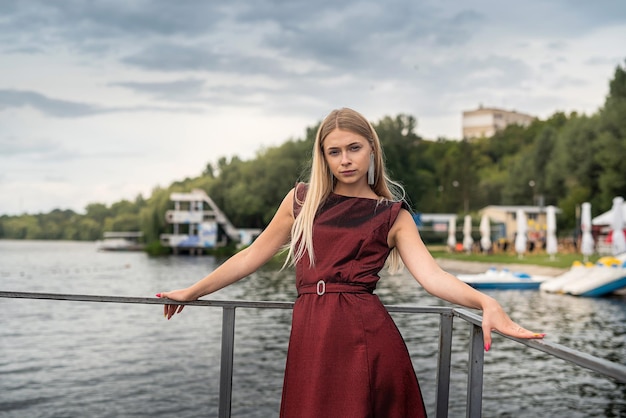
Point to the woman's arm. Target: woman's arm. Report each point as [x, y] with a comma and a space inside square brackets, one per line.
[404, 235]
[242, 264]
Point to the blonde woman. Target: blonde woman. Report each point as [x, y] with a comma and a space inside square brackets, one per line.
[346, 357]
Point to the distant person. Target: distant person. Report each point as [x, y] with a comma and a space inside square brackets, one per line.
[346, 357]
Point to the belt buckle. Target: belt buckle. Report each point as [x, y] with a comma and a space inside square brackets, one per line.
[321, 287]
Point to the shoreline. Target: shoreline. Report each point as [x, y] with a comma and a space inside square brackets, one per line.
[473, 267]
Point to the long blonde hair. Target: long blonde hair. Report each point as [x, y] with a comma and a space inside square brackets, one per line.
[321, 183]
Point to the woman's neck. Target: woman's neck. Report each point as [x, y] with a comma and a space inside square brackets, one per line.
[355, 190]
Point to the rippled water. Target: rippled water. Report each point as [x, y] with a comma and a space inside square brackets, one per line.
[77, 359]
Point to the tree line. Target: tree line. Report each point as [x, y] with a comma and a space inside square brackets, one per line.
[564, 161]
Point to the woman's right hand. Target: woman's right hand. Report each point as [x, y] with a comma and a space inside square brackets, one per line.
[169, 309]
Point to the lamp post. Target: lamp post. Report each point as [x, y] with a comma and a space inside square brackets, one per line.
[440, 199]
[456, 184]
[455, 187]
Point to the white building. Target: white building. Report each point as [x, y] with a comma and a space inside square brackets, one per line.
[198, 223]
[486, 121]
[506, 216]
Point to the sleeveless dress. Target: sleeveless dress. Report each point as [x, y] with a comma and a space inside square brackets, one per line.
[346, 357]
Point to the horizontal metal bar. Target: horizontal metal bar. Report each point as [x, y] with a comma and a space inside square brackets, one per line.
[597, 364]
[605, 367]
[214, 303]
[419, 309]
[148, 301]
[468, 316]
[600, 365]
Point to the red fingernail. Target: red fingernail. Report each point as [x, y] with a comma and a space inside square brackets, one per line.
[158, 295]
[487, 347]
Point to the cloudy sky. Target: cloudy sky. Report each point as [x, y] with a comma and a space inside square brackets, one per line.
[105, 100]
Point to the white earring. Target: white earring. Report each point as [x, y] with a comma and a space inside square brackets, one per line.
[370, 171]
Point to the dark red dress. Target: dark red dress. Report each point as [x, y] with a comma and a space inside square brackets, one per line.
[346, 357]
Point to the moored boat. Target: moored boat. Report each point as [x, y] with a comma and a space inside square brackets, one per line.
[590, 280]
[121, 241]
[576, 272]
[503, 279]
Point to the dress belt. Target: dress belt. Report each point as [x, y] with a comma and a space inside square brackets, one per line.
[322, 287]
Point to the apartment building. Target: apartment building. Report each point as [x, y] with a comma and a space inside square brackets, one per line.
[486, 121]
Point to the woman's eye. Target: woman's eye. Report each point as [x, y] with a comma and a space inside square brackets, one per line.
[333, 152]
[355, 148]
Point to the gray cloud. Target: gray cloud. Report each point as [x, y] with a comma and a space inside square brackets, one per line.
[109, 19]
[553, 19]
[52, 107]
[200, 92]
[340, 51]
[175, 57]
[11, 147]
[10, 98]
[45, 150]
[189, 89]
[604, 61]
[96, 25]
[207, 36]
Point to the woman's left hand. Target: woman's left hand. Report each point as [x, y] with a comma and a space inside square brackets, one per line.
[494, 318]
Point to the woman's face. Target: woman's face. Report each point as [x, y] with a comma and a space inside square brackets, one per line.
[348, 156]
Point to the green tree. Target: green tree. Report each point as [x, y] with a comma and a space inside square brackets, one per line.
[82, 228]
[399, 141]
[97, 211]
[611, 150]
[573, 165]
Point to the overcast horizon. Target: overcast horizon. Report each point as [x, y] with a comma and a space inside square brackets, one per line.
[105, 100]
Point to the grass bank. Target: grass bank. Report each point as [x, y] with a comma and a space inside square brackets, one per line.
[562, 261]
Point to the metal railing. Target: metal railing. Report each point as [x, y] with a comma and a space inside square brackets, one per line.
[447, 314]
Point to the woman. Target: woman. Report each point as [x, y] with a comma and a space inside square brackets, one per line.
[346, 358]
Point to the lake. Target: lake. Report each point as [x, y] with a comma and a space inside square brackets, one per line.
[77, 359]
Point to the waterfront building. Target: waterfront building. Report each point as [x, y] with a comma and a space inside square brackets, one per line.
[198, 224]
[505, 218]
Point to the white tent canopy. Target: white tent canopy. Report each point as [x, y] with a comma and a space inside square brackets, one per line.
[551, 241]
[468, 241]
[586, 245]
[522, 228]
[607, 217]
[485, 233]
[618, 240]
[452, 233]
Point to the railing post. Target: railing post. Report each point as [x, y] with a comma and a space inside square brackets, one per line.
[475, 373]
[443, 371]
[226, 368]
